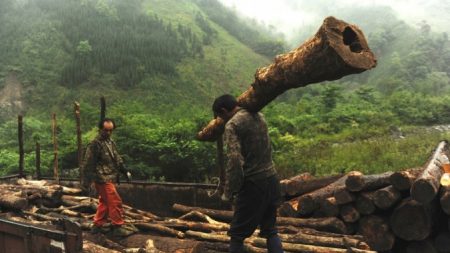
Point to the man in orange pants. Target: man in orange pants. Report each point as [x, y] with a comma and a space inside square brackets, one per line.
[101, 167]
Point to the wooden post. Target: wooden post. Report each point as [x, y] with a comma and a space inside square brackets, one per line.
[38, 161]
[102, 108]
[220, 164]
[21, 152]
[55, 149]
[76, 109]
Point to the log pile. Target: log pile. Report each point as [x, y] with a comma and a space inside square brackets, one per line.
[194, 230]
[401, 211]
[404, 211]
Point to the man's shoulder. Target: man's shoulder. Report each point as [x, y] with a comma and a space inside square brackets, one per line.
[244, 115]
[239, 116]
[96, 142]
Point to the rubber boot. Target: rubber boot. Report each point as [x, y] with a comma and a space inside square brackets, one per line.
[274, 244]
[236, 245]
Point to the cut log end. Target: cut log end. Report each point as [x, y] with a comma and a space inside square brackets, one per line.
[424, 190]
[354, 50]
[412, 220]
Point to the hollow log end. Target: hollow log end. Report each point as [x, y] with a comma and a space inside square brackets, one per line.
[354, 50]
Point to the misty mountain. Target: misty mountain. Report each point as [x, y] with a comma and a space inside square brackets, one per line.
[160, 64]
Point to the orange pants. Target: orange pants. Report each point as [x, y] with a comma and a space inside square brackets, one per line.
[110, 205]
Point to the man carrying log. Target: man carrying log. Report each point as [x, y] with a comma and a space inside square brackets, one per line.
[102, 164]
[252, 182]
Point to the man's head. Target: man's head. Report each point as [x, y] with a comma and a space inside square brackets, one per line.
[224, 106]
[106, 126]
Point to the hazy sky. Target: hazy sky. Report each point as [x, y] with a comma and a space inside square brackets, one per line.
[287, 15]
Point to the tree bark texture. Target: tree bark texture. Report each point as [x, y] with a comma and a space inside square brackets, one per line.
[337, 49]
[308, 203]
[365, 203]
[427, 184]
[376, 231]
[403, 180]
[357, 181]
[386, 197]
[412, 220]
[300, 185]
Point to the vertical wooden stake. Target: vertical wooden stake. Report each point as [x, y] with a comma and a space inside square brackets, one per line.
[55, 149]
[76, 108]
[102, 108]
[38, 161]
[21, 152]
[220, 164]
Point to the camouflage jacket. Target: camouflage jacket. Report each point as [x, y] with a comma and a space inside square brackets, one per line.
[102, 163]
[248, 150]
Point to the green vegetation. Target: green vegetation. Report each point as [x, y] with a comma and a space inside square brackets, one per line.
[160, 63]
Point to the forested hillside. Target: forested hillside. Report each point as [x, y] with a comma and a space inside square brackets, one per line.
[159, 64]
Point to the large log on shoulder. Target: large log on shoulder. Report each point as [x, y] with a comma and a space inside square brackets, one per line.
[426, 186]
[337, 49]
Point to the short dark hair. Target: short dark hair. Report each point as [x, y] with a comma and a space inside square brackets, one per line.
[101, 123]
[225, 101]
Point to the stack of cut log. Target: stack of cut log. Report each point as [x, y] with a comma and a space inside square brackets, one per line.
[404, 211]
[195, 230]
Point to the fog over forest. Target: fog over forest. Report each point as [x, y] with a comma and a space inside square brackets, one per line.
[290, 16]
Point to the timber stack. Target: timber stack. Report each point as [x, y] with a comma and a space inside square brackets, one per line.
[47, 205]
[403, 211]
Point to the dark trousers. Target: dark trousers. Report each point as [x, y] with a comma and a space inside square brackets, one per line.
[256, 205]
